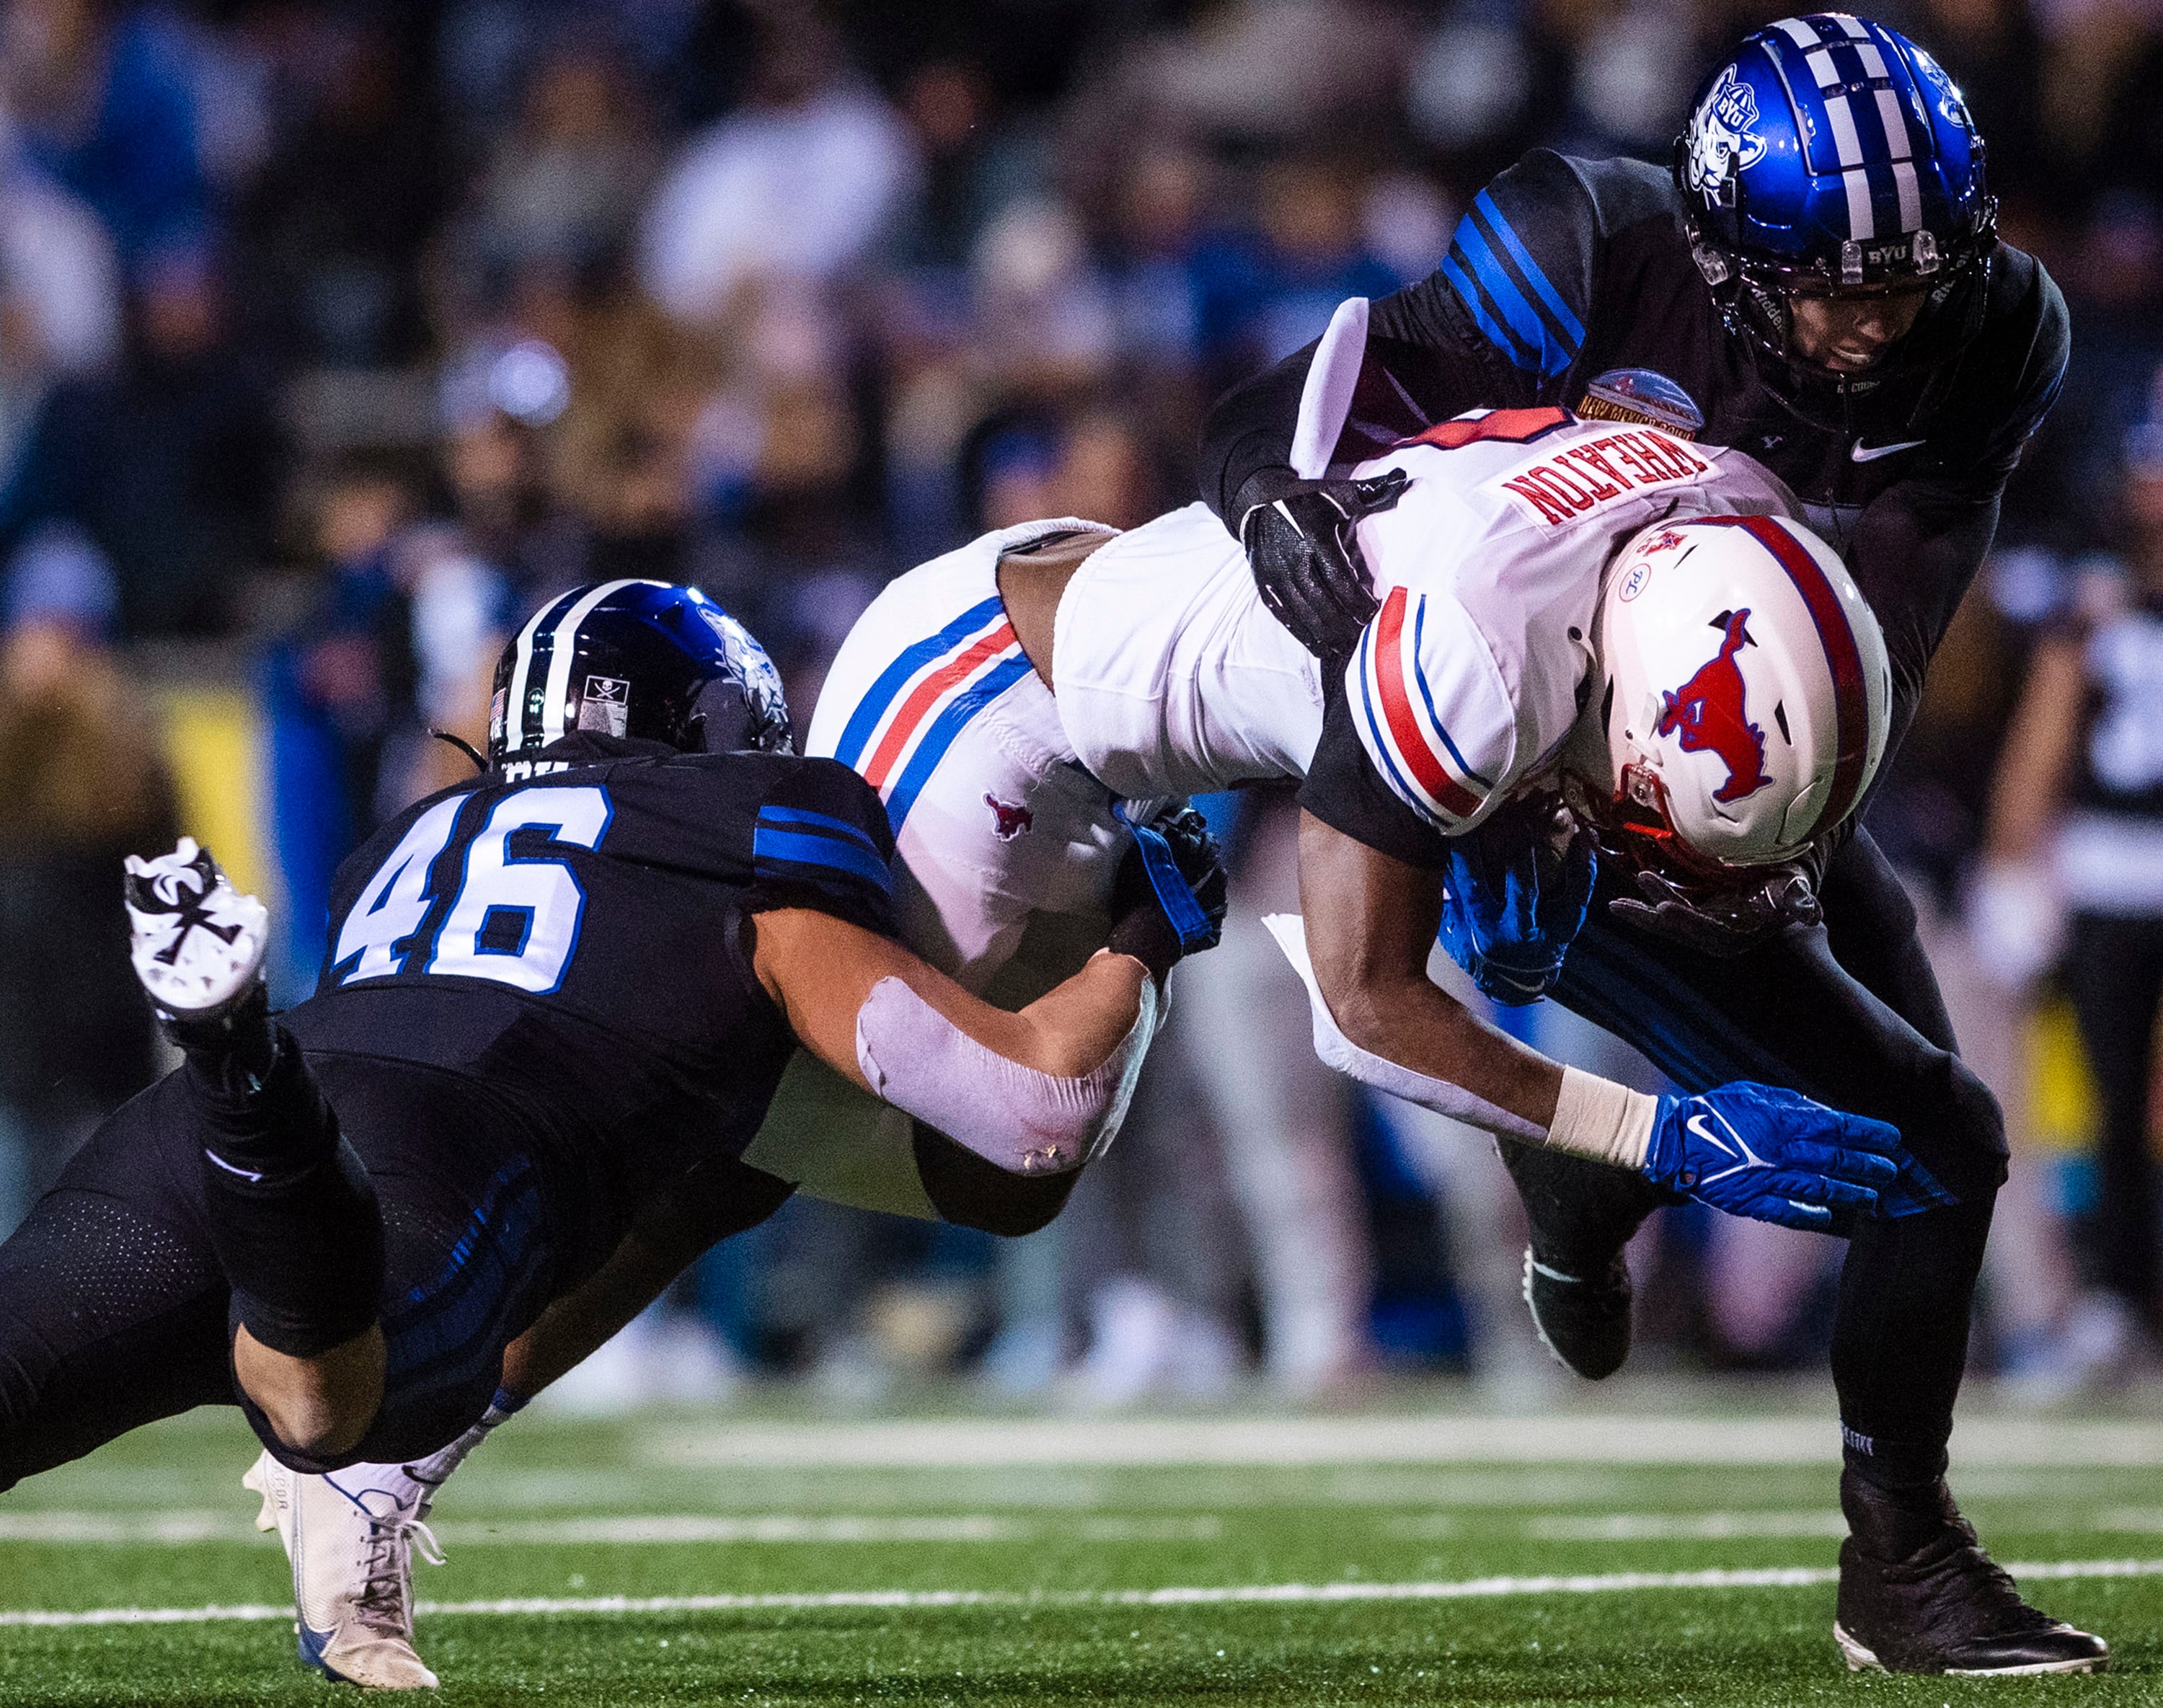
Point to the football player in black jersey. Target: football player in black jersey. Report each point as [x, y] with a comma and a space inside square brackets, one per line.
[1818, 281]
[551, 994]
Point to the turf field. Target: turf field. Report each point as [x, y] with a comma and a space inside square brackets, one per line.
[1636, 1554]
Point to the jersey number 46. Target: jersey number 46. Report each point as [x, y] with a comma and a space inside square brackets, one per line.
[512, 918]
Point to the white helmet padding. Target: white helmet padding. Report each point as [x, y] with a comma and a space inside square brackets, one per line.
[1746, 695]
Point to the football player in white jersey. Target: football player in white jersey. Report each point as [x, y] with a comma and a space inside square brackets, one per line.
[1014, 807]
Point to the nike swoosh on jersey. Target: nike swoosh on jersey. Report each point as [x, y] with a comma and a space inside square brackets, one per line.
[1870, 453]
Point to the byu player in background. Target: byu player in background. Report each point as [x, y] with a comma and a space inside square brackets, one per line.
[1818, 281]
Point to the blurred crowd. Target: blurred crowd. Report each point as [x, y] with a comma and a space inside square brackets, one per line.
[335, 333]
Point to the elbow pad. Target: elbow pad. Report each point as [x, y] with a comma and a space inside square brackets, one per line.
[1340, 1052]
[1017, 1118]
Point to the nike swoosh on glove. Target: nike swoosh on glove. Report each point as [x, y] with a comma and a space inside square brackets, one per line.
[1774, 1155]
[1299, 540]
[1515, 892]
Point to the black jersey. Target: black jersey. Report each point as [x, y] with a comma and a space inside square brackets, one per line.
[568, 929]
[1571, 282]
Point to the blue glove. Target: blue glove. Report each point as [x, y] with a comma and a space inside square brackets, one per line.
[1774, 1155]
[1515, 890]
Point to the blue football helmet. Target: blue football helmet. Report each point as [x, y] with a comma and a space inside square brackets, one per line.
[643, 659]
[1831, 155]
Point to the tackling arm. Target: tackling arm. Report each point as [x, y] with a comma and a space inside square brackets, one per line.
[1035, 1092]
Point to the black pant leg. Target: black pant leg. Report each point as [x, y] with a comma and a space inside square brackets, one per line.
[1789, 1013]
[291, 1213]
[112, 1308]
[2114, 976]
[483, 1222]
[1870, 924]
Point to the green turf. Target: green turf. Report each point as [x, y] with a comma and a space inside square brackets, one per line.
[1058, 1533]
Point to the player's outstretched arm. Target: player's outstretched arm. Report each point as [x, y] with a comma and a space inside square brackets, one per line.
[1035, 1092]
[824, 972]
[1751, 1150]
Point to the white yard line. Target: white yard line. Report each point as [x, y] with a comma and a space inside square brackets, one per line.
[188, 1527]
[1461, 1590]
[1549, 1438]
[1684, 1526]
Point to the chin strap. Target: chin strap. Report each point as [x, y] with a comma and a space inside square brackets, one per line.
[464, 747]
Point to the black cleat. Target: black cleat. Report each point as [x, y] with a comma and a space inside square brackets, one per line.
[1919, 1594]
[1583, 1320]
[1582, 1214]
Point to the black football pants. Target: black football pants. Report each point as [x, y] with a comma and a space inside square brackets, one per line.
[114, 1311]
[1847, 1013]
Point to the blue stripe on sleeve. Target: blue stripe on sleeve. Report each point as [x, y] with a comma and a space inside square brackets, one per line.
[1572, 329]
[864, 719]
[1419, 675]
[1476, 301]
[1378, 742]
[941, 735]
[794, 848]
[825, 821]
[1532, 332]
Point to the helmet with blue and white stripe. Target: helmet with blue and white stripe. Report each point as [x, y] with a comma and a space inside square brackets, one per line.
[647, 660]
[1831, 155]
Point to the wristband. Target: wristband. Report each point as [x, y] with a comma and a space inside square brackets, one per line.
[1597, 1117]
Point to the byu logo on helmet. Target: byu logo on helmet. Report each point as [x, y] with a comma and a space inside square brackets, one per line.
[1710, 712]
[1722, 138]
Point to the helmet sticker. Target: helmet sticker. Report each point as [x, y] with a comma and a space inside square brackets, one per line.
[605, 707]
[1710, 713]
[1633, 583]
[1722, 139]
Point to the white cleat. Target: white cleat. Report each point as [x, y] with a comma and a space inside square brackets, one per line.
[198, 943]
[351, 1537]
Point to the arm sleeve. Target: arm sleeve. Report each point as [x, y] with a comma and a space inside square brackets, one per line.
[821, 840]
[1503, 315]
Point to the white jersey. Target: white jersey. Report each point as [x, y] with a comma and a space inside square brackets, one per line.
[1172, 677]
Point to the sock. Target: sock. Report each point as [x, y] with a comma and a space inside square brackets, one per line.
[1894, 1466]
[292, 1213]
[234, 1053]
[416, 1481]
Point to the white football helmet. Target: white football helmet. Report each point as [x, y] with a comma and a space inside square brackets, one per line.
[1743, 697]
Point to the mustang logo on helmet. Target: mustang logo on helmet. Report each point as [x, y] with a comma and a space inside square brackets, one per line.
[1722, 140]
[1709, 711]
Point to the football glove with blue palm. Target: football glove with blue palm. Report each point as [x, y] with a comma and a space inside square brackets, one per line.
[1515, 892]
[1774, 1155]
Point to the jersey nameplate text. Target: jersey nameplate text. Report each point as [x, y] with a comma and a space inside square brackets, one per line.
[1594, 473]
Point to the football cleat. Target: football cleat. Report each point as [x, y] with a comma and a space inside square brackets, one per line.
[198, 943]
[1581, 1215]
[351, 1537]
[1583, 1320]
[1919, 1594]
